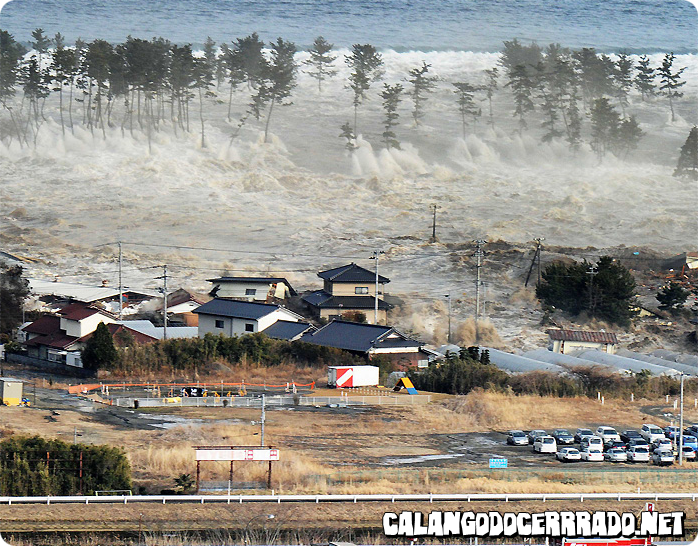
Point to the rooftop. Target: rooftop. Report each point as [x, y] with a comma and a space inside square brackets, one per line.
[351, 273]
[237, 309]
[322, 299]
[350, 336]
[44, 325]
[583, 335]
[80, 311]
[285, 329]
[256, 280]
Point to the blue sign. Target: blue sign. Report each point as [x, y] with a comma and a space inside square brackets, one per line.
[498, 463]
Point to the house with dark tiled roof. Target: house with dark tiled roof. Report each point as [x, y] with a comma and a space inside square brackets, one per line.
[262, 289]
[566, 341]
[235, 318]
[371, 341]
[348, 290]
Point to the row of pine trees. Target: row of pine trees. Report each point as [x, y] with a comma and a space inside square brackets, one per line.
[159, 83]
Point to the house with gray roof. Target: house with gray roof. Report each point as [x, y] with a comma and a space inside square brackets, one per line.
[371, 341]
[348, 290]
[235, 318]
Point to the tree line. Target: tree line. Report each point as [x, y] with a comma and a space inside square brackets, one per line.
[161, 83]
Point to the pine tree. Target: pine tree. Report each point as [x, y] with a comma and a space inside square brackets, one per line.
[623, 79]
[522, 87]
[687, 166]
[670, 81]
[644, 80]
[465, 100]
[574, 123]
[280, 78]
[14, 289]
[672, 297]
[63, 69]
[348, 135]
[40, 44]
[10, 54]
[366, 67]
[320, 61]
[97, 63]
[210, 57]
[250, 58]
[99, 351]
[231, 63]
[490, 87]
[627, 137]
[422, 84]
[203, 79]
[391, 100]
[605, 123]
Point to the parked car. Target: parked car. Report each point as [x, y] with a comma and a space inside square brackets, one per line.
[517, 438]
[691, 441]
[567, 454]
[607, 434]
[663, 457]
[535, 433]
[628, 435]
[670, 431]
[663, 443]
[592, 454]
[689, 454]
[693, 429]
[638, 442]
[545, 444]
[651, 432]
[582, 433]
[593, 442]
[615, 445]
[562, 436]
[638, 454]
[616, 455]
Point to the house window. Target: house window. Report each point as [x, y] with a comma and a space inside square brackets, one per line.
[250, 291]
[249, 327]
[220, 324]
[361, 290]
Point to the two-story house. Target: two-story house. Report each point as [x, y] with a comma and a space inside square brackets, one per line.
[347, 291]
[262, 289]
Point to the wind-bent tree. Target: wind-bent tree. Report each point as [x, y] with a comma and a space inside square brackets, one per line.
[35, 89]
[10, 54]
[522, 88]
[644, 80]
[250, 58]
[623, 79]
[203, 79]
[687, 166]
[97, 62]
[465, 100]
[490, 87]
[422, 85]
[280, 78]
[670, 81]
[366, 67]
[391, 100]
[320, 61]
[63, 70]
[182, 80]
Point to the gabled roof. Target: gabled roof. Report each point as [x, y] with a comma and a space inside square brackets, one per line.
[80, 311]
[237, 309]
[57, 340]
[256, 280]
[285, 329]
[44, 325]
[149, 329]
[351, 273]
[323, 300]
[583, 335]
[350, 336]
[138, 337]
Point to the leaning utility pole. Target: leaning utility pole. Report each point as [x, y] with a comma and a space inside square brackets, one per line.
[433, 223]
[121, 288]
[376, 253]
[448, 297]
[536, 258]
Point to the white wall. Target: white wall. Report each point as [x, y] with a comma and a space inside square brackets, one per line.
[567, 347]
[85, 326]
[236, 326]
[237, 290]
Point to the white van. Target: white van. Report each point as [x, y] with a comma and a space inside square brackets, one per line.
[651, 432]
[545, 444]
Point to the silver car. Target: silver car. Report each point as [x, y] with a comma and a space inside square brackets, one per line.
[638, 454]
[616, 455]
[663, 457]
[517, 438]
[534, 434]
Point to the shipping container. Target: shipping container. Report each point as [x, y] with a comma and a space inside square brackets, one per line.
[352, 376]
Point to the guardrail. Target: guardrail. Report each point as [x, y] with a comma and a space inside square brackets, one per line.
[461, 497]
[288, 400]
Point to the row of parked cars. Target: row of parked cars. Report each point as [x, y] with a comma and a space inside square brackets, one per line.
[606, 444]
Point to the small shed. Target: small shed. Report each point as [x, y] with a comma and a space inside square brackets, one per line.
[566, 341]
[10, 391]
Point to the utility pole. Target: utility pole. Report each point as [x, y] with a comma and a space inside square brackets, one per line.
[536, 258]
[448, 297]
[264, 417]
[681, 424]
[478, 255]
[164, 300]
[433, 207]
[121, 287]
[592, 273]
[376, 254]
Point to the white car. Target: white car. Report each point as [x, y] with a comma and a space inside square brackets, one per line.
[663, 457]
[663, 443]
[545, 444]
[567, 454]
[688, 454]
[616, 455]
[638, 454]
[651, 432]
[591, 442]
[608, 434]
[592, 455]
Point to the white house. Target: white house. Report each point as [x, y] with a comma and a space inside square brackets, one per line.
[261, 289]
[234, 318]
[568, 341]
